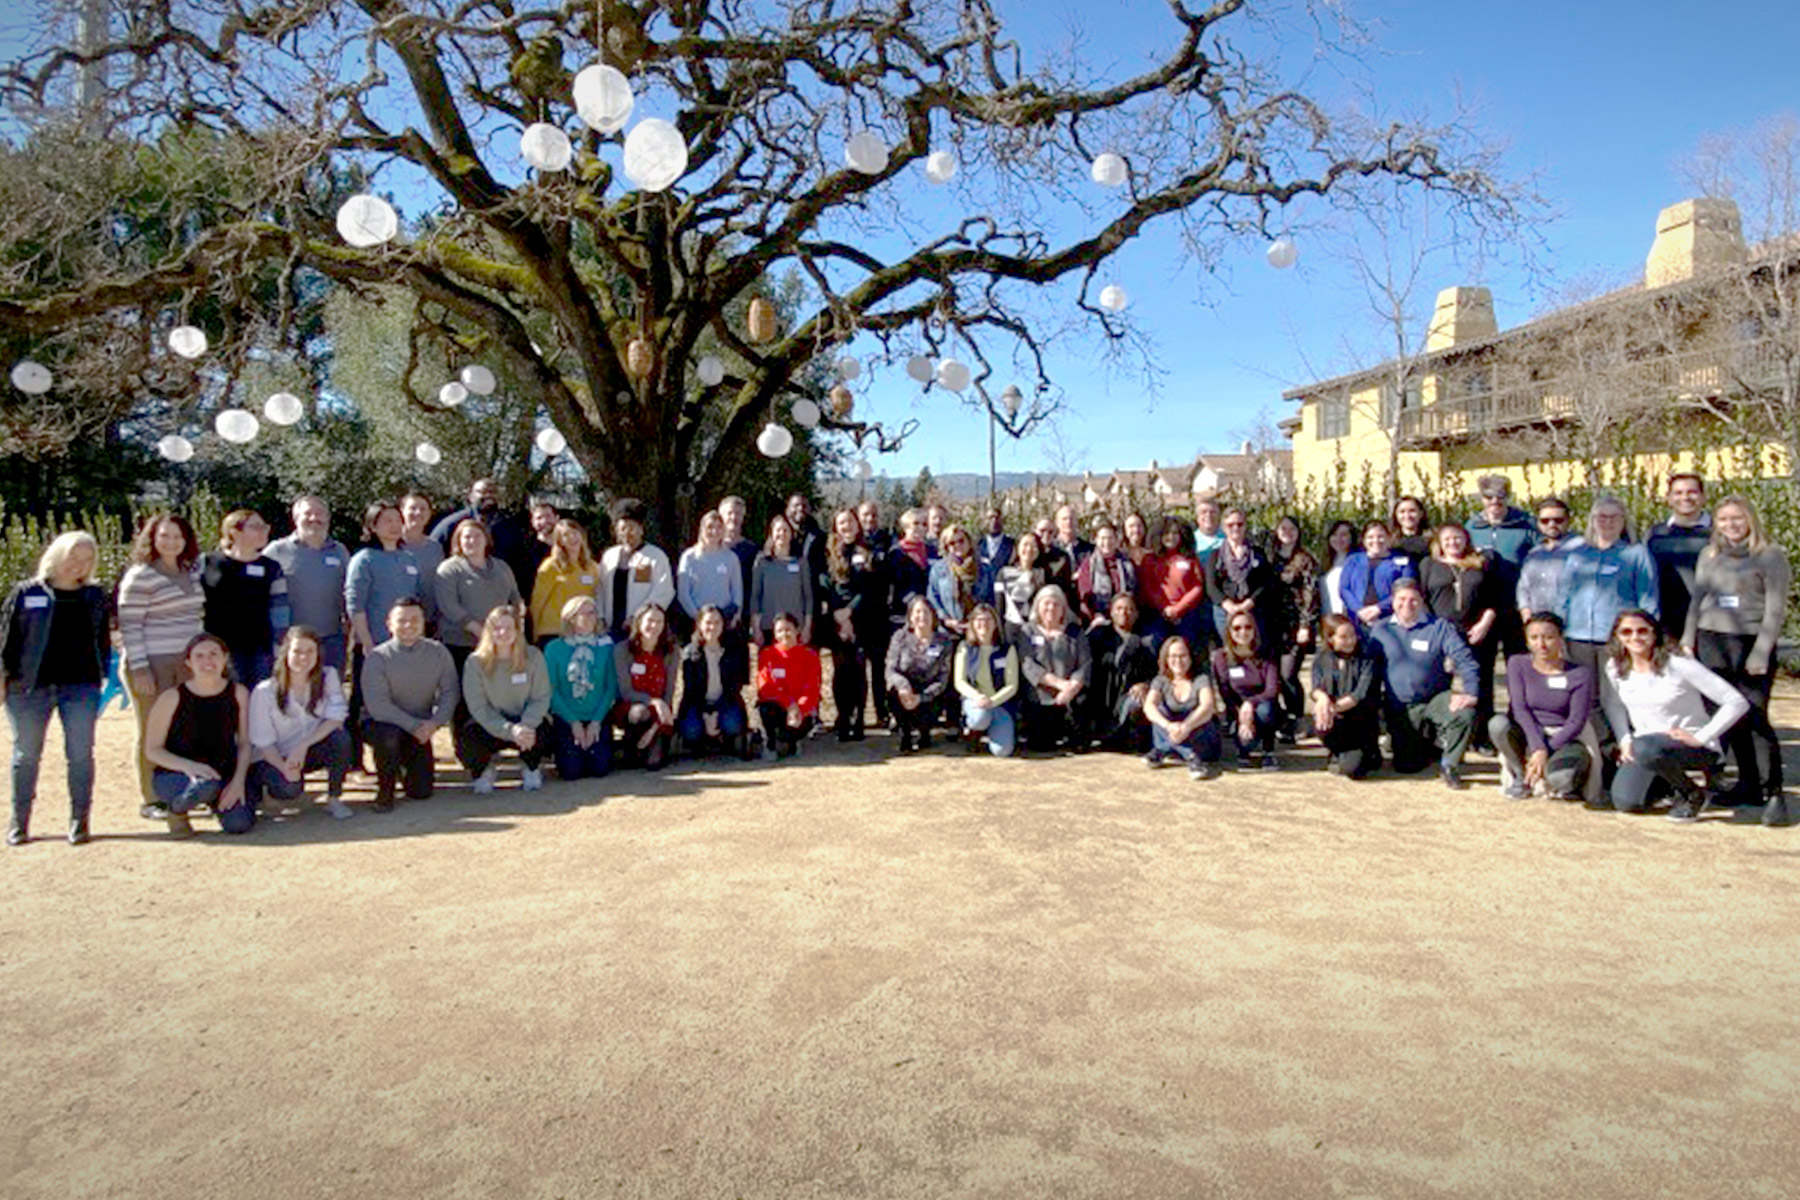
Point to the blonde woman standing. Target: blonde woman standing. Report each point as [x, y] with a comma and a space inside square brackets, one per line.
[569, 573]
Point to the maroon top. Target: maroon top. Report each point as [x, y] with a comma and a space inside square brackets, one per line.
[1255, 680]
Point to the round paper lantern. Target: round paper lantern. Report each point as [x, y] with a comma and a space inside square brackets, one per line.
[1113, 298]
[283, 408]
[841, 402]
[1283, 254]
[805, 413]
[848, 368]
[551, 441]
[866, 152]
[1012, 397]
[545, 146]
[711, 371]
[863, 470]
[187, 341]
[761, 320]
[774, 440]
[919, 368]
[32, 378]
[452, 394]
[953, 375]
[1109, 170]
[236, 425]
[656, 155]
[175, 448]
[603, 98]
[940, 166]
[366, 221]
[428, 454]
[478, 380]
[640, 357]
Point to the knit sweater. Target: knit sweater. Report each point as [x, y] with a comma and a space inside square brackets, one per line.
[554, 587]
[1044, 653]
[376, 580]
[315, 582]
[712, 577]
[648, 580]
[1413, 659]
[466, 595]
[508, 695]
[285, 728]
[1737, 592]
[584, 682]
[788, 677]
[1676, 550]
[407, 686]
[246, 602]
[780, 585]
[1675, 698]
[158, 614]
[1540, 703]
[922, 664]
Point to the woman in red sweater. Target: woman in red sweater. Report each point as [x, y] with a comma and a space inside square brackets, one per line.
[1172, 588]
[787, 688]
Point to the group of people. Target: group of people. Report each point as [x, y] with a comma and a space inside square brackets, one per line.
[1631, 666]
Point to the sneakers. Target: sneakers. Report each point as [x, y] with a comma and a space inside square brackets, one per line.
[78, 831]
[484, 783]
[382, 804]
[533, 780]
[154, 812]
[16, 834]
[337, 808]
[1453, 779]
[1270, 763]
[1203, 772]
[1516, 790]
[1154, 759]
[1776, 811]
[1686, 811]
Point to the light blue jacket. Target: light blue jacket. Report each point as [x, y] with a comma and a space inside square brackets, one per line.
[1598, 584]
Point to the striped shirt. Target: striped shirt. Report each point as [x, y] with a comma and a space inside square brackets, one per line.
[158, 614]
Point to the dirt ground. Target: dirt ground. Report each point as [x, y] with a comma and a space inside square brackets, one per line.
[862, 976]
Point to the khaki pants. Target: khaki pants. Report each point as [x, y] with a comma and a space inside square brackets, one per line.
[165, 671]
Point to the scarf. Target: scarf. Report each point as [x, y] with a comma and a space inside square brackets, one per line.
[917, 551]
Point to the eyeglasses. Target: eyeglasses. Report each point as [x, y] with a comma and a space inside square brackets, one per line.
[1553, 520]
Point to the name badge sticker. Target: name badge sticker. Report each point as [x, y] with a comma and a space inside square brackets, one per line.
[723, 568]
[639, 669]
[411, 570]
[793, 568]
[37, 602]
[1728, 601]
[255, 571]
[1422, 645]
[778, 672]
[1037, 639]
[1558, 683]
[1237, 672]
[1400, 560]
[640, 573]
[1609, 569]
[587, 579]
[521, 677]
[331, 560]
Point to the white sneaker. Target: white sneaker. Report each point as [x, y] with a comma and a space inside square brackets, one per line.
[484, 782]
[337, 808]
[534, 779]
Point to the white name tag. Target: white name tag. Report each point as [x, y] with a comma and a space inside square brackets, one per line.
[521, 677]
[588, 579]
[778, 672]
[255, 570]
[1728, 601]
[859, 560]
[412, 570]
[1237, 672]
[723, 568]
[932, 651]
[1422, 645]
[1037, 639]
[1558, 683]
[1610, 569]
[639, 669]
[37, 602]
[793, 568]
[1400, 560]
[331, 560]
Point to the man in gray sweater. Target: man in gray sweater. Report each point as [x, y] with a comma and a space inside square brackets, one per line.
[410, 690]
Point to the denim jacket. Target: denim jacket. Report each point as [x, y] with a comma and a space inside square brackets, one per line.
[26, 617]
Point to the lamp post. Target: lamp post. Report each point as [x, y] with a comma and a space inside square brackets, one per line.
[1012, 398]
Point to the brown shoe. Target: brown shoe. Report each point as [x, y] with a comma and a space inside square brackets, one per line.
[180, 826]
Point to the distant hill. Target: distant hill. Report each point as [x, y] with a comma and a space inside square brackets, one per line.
[962, 486]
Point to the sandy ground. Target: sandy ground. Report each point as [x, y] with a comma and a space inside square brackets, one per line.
[857, 976]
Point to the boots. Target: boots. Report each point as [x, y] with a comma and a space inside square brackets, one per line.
[1776, 812]
[78, 830]
[18, 828]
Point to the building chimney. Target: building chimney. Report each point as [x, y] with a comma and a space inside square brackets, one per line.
[1694, 237]
[1464, 314]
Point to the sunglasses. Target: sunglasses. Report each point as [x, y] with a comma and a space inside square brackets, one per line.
[1553, 520]
[1636, 631]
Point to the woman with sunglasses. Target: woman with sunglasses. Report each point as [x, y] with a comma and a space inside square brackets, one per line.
[1249, 690]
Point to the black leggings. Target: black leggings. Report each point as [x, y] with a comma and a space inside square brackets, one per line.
[1751, 742]
[849, 685]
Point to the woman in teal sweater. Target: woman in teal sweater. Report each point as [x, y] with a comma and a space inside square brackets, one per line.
[584, 685]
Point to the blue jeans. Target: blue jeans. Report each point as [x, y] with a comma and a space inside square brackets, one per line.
[1202, 745]
[996, 723]
[28, 712]
[691, 721]
[572, 762]
[331, 756]
[183, 793]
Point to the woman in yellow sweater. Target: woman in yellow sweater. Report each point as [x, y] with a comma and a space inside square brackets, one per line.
[570, 571]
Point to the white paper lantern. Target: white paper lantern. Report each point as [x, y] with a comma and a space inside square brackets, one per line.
[478, 380]
[806, 413]
[187, 341]
[551, 441]
[940, 166]
[1283, 254]
[711, 371]
[283, 408]
[428, 454]
[175, 448]
[603, 98]
[32, 378]
[1113, 298]
[237, 425]
[866, 152]
[774, 440]
[366, 221]
[863, 470]
[918, 367]
[953, 375]
[1109, 170]
[848, 368]
[452, 394]
[546, 147]
[656, 155]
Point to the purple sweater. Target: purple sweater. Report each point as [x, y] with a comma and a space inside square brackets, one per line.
[1255, 681]
[1538, 705]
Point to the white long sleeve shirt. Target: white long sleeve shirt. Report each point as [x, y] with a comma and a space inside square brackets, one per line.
[1647, 702]
[287, 727]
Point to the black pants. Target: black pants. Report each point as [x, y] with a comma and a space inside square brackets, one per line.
[849, 685]
[1354, 739]
[1293, 687]
[1751, 743]
[1506, 635]
[1050, 725]
[914, 720]
[332, 756]
[354, 724]
[1658, 762]
[477, 747]
[876, 648]
[398, 753]
[781, 736]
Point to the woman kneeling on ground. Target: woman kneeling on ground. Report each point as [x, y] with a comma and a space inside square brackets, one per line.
[584, 686]
[1249, 689]
[1183, 709]
[713, 675]
[1543, 742]
[197, 741]
[788, 684]
[297, 725]
[986, 675]
[506, 689]
[1346, 694]
[918, 674]
[647, 669]
[1657, 706]
[1056, 663]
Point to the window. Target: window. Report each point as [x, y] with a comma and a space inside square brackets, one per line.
[1334, 415]
[1393, 402]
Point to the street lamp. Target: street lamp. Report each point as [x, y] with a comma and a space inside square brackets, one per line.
[1012, 398]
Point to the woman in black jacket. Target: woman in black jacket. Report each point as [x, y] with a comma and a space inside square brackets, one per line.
[853, 590]
[1346, 681]
[714, 672]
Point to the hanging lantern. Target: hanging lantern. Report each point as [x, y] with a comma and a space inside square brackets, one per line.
[1109, 170]
[866, 152]
[545, 146]
[774, 441]
[953, 375]
[918, 367]
[1283, 254]
[640, 357]
[863, 470]
[32, 378]
[841, 402]
[452, 394]
[1012, 398]
[848, 368]
[187, 341]
[603, 98]
[428, 454]
[175, 448]
[366, 221]
[477, 380]
[1113, 298]
[711, 371]
[283, 408]
[805, 413]
[761, 321]
[940, 166]
[551, 441]
[656, 155]
[236, 425]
